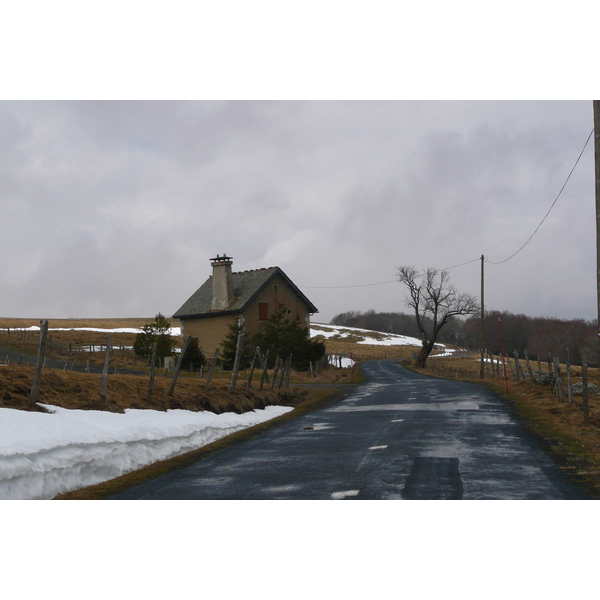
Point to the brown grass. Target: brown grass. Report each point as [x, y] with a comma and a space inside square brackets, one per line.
[6, 322]
[360, 352]
[65, 345]
[82, 391]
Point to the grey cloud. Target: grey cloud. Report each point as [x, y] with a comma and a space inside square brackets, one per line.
[114, 207]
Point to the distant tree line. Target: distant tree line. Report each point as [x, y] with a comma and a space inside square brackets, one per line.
[538, 335]
[398, 323]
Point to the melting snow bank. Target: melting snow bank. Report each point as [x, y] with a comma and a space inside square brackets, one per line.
[42, 455]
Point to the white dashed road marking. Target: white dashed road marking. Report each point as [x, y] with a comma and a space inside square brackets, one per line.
[345, 494]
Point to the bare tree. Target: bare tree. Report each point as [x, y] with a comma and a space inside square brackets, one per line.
[435, 301]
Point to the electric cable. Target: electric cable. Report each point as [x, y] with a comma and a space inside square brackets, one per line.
[551, 207]
[339, 287]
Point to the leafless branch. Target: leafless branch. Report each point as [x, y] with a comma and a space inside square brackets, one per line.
[434, 300]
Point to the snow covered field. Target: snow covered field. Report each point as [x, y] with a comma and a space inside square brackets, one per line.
[368, 337]
[42, 455]
[174, 331]
[375, 338]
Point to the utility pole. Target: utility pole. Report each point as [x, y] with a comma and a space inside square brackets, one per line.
[597, 163]
[481, 368]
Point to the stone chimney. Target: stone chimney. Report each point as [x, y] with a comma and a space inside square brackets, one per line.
[222, 282]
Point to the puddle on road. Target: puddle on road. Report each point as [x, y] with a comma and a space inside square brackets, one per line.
[317, 427]
[430, 406]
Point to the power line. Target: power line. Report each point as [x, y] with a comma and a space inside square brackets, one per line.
[551, 207]
[461, 264]
[339, 287]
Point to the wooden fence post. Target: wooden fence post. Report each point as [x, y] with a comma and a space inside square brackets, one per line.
[39, 365]
[236, 363]
[492, 363]
[584, 391]
[559, 385]
[289, 371]
[569, 379]
[256, 355]
[104, 386]
[178, 365]
[517, 366]
[275, 371]
[211, 370]
[531, 377]
[283, 369]
[263, 375]
[152, 371]
[550, 373]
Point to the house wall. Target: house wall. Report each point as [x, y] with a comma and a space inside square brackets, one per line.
[211, 331]
[284, 294]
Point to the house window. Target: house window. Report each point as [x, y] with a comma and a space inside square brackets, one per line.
[263, 311]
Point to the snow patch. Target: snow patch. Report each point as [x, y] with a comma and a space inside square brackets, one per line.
[42, 455]
[174, 331]
[374, 338]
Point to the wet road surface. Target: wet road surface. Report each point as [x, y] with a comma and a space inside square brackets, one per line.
[400, 435]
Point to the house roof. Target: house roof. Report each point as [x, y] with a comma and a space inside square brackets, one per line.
[246, 285]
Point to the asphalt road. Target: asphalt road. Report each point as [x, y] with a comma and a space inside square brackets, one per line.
[400, 435]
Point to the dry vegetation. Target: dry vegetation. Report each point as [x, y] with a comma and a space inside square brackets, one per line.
[360, 352]
[70, 389]
[65, 345]
[82, 391]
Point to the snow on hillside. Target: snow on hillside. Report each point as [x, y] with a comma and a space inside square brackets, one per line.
[365, 336]
[174, 331]
[42, 455]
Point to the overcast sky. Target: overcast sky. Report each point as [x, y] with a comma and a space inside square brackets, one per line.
[114, 208]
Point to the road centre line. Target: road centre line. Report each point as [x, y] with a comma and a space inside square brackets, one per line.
[344, 494]
[364, 460]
